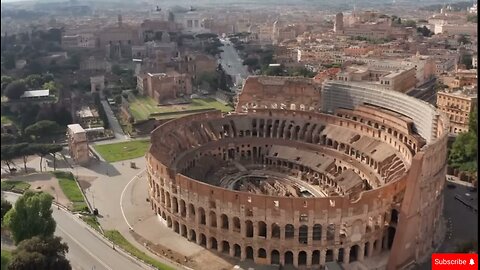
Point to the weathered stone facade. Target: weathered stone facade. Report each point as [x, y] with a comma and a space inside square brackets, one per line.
[390, 199]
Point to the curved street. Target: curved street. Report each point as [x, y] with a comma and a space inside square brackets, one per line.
[87, 249]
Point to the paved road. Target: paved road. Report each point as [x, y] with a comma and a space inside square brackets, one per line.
[112, 120]
[231, 61]
[87, 250]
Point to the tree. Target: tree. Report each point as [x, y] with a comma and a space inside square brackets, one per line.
[7, 155]
[117, 70]
[473, 121]
[53, 149]
[34, 81]
[24, 150]
[7, 138]
[40, 253]
[31, 216]
[41, 150]
[15, 89]
[42, 128]
[9, 62]
[6, 80]
[6, 206]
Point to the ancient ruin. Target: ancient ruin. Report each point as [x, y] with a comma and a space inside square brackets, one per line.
[303, 175]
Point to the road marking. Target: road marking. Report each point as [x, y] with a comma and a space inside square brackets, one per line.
[121, 198]
[83, 247]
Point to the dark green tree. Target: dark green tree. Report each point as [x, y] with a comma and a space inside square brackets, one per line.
[15, 89]
[44, 128]
[53, 149]
[31, 216]
[40, 253]
[6, 80]
[6, 206]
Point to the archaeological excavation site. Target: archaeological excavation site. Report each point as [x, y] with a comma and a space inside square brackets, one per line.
[304, 174]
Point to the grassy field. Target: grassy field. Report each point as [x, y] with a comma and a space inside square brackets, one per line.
[122, 151]
[118, 239]
[18, 186]
[71, 190]
[6, 257]
[142, 107]
[6, 120]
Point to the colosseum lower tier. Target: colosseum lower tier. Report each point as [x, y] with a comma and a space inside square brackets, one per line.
[355, 173]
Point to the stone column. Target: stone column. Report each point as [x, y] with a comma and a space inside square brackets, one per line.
[243, 254]
[335, 254]
[295, 259]
[232, 251]
[323, 255]
[282, 257]
[346, 255]
[207, 218]
[209, 243]
[309, 259]
[255, 230]
[370, 249]
[282, 233]
[361, 252]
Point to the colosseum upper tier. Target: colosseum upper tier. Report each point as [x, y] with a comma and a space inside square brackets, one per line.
[303, 174]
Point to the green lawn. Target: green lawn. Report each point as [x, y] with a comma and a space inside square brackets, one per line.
[142, 107]
[6, 257]
[16, 186]
[92, 221]
[118, 239]
[71, 190]
[123, 151]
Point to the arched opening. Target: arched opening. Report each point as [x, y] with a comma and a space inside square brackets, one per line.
[169, 222]
[213, 243]
[288, 258]
[191, 211]
[329, 256]
[224, 219]
[203, 219]
[176, 227]
[394, 217]
[275, 257]
[289, 231]
[184, 230]
[262, 253]
[213, 219]
[249, 251]
[237, 251]
[262, 229]
[275, 230]
[175, 205]
[183, 210]
[315, 257]
[366, 249]
[341, 253]
[303, 234]
[354, 253]
[236, 224]
[391, 236]
[193, 236]
[302, 258]
[225, 247]
[317, 232]
[248, 228]
[203, 240]
[331, 232]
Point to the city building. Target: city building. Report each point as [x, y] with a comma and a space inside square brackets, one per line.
[78, 144]
[457, 105]
[163, 87]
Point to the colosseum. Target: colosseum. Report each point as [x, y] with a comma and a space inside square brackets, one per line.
[303, 174]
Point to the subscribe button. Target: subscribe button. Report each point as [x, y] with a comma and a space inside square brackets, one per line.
[454, 261]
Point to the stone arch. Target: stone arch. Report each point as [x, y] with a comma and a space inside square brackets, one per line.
[341, 254]
[248, 228]
[169, 221]
[191, 211]
[329, 256]
[275, 230]
[213, 243]
[224, 219]
[167, 197]
[391, 235]
[176, 227]
[175, 205]
[262, 229]
[225, 247]
[203, 219]
[236, 224]
[262, 253]
[183, 231]
[288, 258]
[193, 235]
[366, 249]
[303, 234]
[237, 251]
[331, 232]
[249, 252]
[302, 258]
[315, 257]
[275, 257]
[394, 216]
[354, 253]
[203, 240]
[213, 219]
[183, 209]
[289, 231]
[317, 232]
